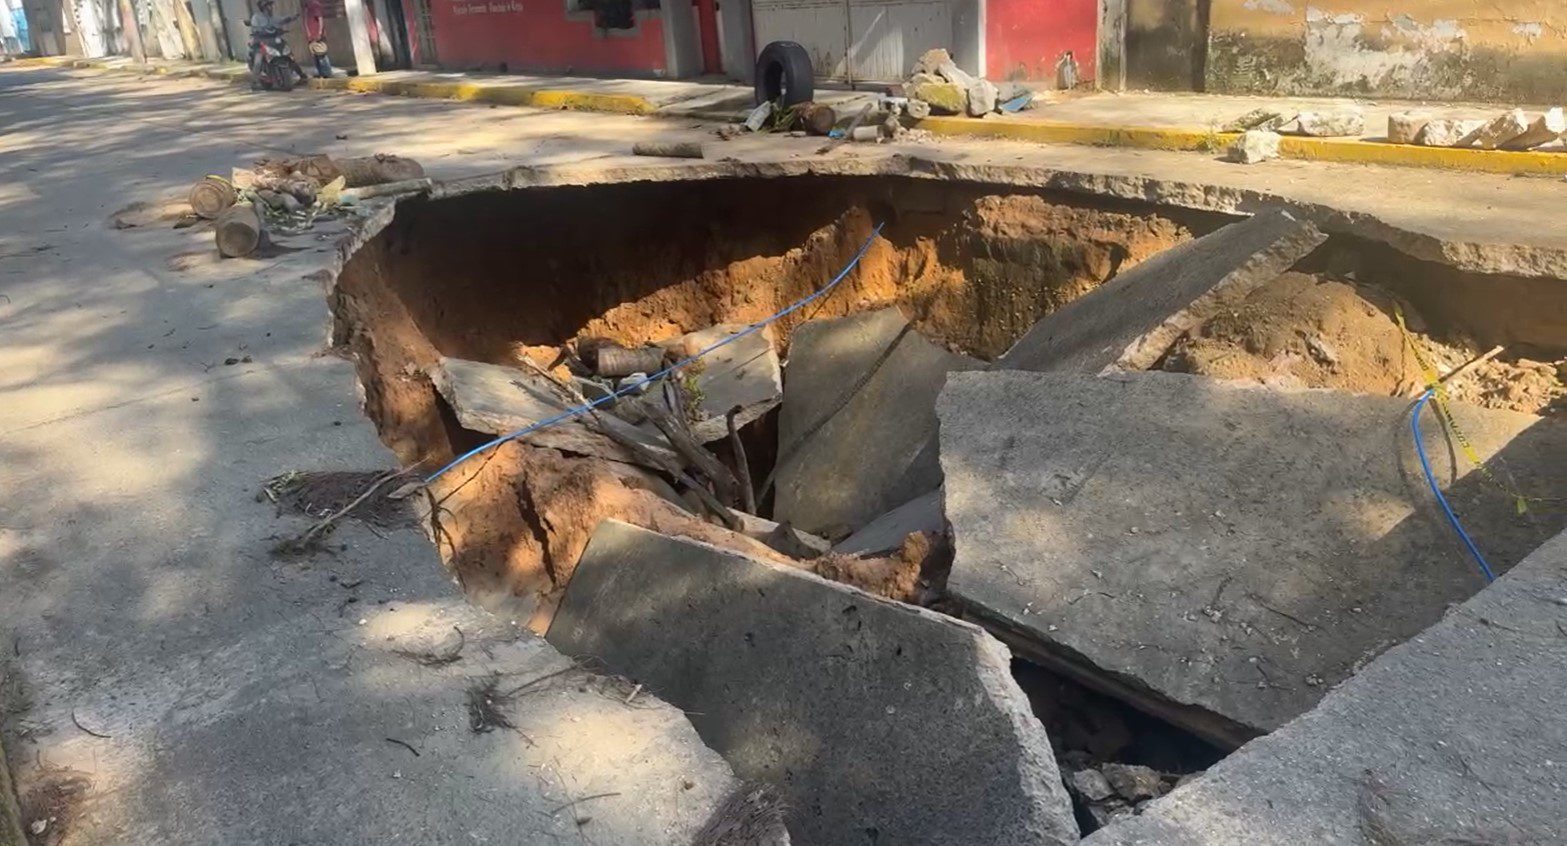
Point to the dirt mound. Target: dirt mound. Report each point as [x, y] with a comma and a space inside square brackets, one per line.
[1303, 330]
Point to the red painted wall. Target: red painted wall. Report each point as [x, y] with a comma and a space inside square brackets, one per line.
[1025, 38]
[535, 35]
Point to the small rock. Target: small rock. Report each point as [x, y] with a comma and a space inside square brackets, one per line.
[38, 827]
[1332, 124]
[1447, 133]
[943, 98]
[1091, 785]
[1320, 351]
[1405, 127]
[1547, 128]
[981, 98]
[1133, 782]
[917, 109]
[1499, 130]
[950, 71]
[1255, 145]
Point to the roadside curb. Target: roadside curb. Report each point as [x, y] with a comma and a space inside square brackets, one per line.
[1192, 139]
[1185, 139]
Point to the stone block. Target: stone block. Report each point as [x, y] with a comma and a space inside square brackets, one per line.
[1333, 123]
[866, 715]
[944, 98]
[1498, 131]
[1448, 133]
[1546, 128]
[982, 95]
[1405, 127]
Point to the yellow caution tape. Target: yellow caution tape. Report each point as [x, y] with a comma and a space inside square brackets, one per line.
[1445, 415]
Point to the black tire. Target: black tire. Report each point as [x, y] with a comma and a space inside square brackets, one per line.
[282, 75]
[783, 72]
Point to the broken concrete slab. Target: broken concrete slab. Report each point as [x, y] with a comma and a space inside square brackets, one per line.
[498, 400]
[1448, 132]
[782, 537]
[944, 98]
[1498, 131]
[1221, 554]
[867, 715]
[743, 375]
[858, 414]
[1129, 321]
[1255, 145]
[1545, 129]
[886, 533]
[1455, 736]
[982, 94]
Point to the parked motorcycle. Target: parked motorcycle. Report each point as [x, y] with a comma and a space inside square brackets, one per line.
[273, 67]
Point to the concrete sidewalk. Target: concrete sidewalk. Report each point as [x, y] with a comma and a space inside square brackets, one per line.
[1138, 120]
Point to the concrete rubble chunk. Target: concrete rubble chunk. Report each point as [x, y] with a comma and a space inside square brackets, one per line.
[885, 533]
[865, 714]
[873, 379]
[1446, 132]
[1454, 736]
[743, 374]
[1255, 145]
[1498, 131]
[1333, 123]
[1133, 782]
[1405, 127]
[498, 400]
[944, 98]
[930, 62]
[1091, 785]
[1545, 129]
[782, 537]
[1129, 321]
[1260, 118]
[1222, 554]
[982, 94]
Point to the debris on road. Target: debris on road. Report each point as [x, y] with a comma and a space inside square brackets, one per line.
[239, 230]
[739, 644]
[211, 196]
[1446, 132]
[743, 376]
[1335, 123]
[668, 149]
[1255, 145]
[945, 89]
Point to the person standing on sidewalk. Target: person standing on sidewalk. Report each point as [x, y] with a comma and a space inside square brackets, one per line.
[315, 36]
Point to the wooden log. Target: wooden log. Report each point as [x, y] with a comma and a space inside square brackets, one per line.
[816, 118]
[388, 189]
[211, 197]
[238, 231]
[668, 149]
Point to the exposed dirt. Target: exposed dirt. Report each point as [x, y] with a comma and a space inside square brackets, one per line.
[50, 806]
[458, 278]
[317, 494]
[1304, 330]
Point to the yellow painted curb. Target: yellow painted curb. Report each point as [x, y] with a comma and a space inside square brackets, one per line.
[38, 62]
[501, 94]
[1340, 150]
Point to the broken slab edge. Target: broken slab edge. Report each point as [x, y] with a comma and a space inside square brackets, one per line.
[1257, 271]
[1213, 728]
[1038, 772]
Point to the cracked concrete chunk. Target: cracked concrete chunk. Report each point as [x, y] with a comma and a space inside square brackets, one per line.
[1129, 321]
[1221, 553]
[1545, 129]
[498, 400]
[865, 714]
[1498, 131]
[1405, 127]
[1334, 123]
[1448, 132]
[1254, 146]
[857, 418]
[1453, 737]
[743, 374]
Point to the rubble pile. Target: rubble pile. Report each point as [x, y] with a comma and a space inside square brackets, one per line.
[1512, 130]
[940, 87]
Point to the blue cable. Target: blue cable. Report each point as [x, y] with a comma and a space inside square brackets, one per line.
[1425, 464]
[627, 389]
